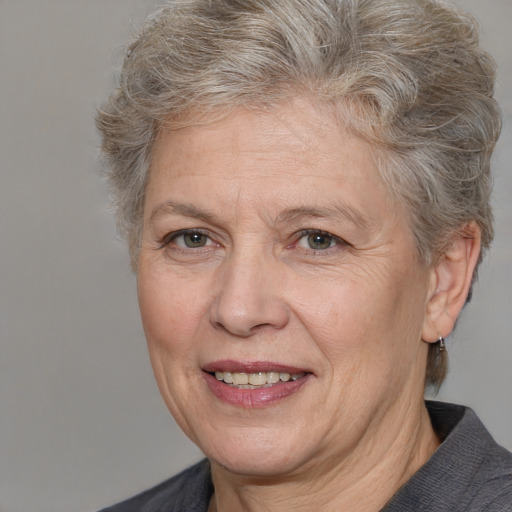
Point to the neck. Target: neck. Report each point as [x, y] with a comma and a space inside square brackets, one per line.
[364, 481]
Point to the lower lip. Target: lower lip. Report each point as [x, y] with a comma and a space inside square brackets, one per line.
[253, 398]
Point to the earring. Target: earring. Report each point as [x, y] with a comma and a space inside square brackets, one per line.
[441, 343]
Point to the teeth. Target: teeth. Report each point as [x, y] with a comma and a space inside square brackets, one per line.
[240, 379]
[272, 377]
[259, 379]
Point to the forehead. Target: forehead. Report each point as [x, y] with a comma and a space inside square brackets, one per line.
[293, 156]
[297, 137]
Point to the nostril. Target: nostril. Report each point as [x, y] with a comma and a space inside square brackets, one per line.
[233, 329]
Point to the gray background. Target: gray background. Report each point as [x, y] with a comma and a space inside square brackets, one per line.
[81, 421]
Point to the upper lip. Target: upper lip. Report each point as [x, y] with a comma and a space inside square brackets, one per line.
[251, 367]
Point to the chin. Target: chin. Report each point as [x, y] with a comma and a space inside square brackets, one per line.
[259, 454]
[260, 467]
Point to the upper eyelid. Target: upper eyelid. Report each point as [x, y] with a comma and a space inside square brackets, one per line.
[305, 232]
[337, 239]
[308, 231]
[169, 237]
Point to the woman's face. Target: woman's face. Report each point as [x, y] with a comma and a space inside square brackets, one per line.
[271, 247]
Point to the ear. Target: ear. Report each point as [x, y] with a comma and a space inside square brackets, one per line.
[450, 281]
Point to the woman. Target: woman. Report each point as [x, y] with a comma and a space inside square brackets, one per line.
[305, 187]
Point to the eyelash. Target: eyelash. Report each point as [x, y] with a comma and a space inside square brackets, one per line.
[170, 239]
[318, 232]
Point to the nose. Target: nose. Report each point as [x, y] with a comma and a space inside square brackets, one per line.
[248, 299]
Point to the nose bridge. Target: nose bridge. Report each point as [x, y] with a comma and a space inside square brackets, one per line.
[247, 297]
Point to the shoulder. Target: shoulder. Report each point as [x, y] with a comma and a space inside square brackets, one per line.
[493, 493]
[469, 472]
[189, 491]
[493, 482]
[482, 468]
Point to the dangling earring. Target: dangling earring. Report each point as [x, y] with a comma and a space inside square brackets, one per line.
[441, 343]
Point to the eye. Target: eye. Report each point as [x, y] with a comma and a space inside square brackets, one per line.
[193, 240]
[188, 239]
[317, 240]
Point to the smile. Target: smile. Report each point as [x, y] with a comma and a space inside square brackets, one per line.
[254, 384]
[256, 380]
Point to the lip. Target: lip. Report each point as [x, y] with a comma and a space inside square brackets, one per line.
[253, 398]
[228, 365]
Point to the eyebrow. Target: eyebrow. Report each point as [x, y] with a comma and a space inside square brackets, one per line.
[348, 213]
[288, 215]
[186, 210]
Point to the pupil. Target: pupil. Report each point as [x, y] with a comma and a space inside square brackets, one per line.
[194, 240]
[319, 241]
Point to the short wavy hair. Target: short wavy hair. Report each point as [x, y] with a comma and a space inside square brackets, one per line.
[407, 75]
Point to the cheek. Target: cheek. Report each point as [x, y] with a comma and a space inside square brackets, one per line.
[358, 319]
[171, 318]
[171, 310]
[343, 307]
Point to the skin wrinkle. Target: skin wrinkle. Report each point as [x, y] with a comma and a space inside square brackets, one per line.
[185, 210]
[290, 216]
[361, 334]
[311, 494]
[304, 212]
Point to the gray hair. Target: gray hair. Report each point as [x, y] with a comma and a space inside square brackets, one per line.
[407, 75]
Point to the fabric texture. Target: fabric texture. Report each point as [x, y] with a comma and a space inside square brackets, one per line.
[469, 472]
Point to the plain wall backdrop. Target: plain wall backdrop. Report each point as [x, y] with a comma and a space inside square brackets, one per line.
[82, 424]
